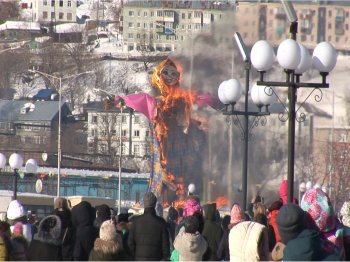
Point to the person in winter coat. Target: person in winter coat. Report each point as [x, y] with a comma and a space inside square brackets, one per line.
[103, 213]
[189, 244]
[248, 240]
[171, 222]
[223, 252]
[212, 232]
[19, 243]
[302, 244]
[262, 219]
[46, 244]
[273, 212]
[319, 207]
[6, 248]
[149, 236]
[83, 215]
[15, 213]
[109, 246]
[62, 210]
[283, 193]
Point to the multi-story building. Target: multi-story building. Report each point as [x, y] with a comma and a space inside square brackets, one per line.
[54, 11]
[316, 23]
[103, 129]
[165, 25]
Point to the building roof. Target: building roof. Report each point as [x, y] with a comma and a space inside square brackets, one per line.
[212, 5]
[20, 25]
[44, 94]
[36, 110]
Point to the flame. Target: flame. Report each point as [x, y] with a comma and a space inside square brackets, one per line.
[165, 205]
[222, 202]
[179, 203]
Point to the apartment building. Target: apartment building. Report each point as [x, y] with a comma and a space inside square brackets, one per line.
[104, 131]
[54, 11]
[165, 25]
[316, 23]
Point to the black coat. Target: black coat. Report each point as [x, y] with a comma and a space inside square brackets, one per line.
[223, 252]
[83, 216]
[67, 233]
[43, 251]
[149, 237]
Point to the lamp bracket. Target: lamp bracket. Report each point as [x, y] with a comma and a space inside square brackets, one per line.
[246, 134]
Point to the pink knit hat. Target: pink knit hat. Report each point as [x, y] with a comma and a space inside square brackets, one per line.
[192, 205]
[18, 229]
[237, 214]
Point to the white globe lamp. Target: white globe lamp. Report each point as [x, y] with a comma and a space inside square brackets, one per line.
[16, 161]
[221, 94]
[233, 90]
[267, 95]
[302, 187]
[31, 166]
[2, 160]
[288, 54]
[308, 185]
[191, 188]
[262, 55]
[324, 57]
[305, 61]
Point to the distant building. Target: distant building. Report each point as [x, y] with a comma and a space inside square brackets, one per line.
[164, 25]
[19, 29]
[56, 12]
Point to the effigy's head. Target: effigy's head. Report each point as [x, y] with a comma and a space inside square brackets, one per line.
[167, 74]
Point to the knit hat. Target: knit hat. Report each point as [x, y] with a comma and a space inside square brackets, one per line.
[191, 224]
[290, 221]
[319, 206]
[237, 214]
[192, 205]
[15, 210]
[60, 203]
[18, 229]
[108, 231]
[104, 212]
[276, 205]
[172, 213]
[149, 200]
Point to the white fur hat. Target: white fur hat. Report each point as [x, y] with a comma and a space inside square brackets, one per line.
[15, 210]
[108, 231]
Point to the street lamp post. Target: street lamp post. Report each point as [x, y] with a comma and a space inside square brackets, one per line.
[229, 93]
[295, 59]
[59, 151]
[16, 162]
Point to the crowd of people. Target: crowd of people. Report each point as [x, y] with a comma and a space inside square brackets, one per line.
[309, 231]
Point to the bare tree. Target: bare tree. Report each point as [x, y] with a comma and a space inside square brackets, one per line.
[145, 47]
[9, 10]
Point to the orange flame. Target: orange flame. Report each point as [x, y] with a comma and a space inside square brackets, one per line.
[222, 202]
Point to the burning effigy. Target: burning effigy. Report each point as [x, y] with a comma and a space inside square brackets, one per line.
[179, 139]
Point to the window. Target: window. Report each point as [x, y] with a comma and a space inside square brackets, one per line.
[103, 132]
[44, 15]
[37, 139]
[131, 13]
[69, 3]
[329, 26]
[152, 13]
[131, 25]
[104, 119]
[52, 15]
[60, 15]
[168, 37]
[197, 15]
[136, 150]
[94, 119]
[114, 132]
[136, 133]
[52, 2]
[138, 25]
[103, 148]
[183, 16]
[138, 13]
[93, 132]
[147, 133]
[137, 120]
[69, 16]
[189, 15]
[124, 132]
[131, 36]
[330, 13]
[124, 119]
[160, 13]
[138, 36]
[189, 27]
[145, 14]
[61, 3]
[343, 137]
[45, 3]
[144, 25]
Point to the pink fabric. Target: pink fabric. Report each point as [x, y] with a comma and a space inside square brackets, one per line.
[18, 229]
[237, 214]
[191, 206]
[142, 103]
[284, 192]
[207, 100]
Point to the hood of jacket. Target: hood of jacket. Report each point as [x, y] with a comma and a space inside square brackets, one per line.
[191, 242]
[49, 230]
[209, 211]
[83, 214]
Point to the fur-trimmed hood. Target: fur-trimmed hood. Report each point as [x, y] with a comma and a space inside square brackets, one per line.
[49, 230]
[107, 248]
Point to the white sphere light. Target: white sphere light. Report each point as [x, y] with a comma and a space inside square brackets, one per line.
[302, 187]
[221, 94]
[31, 166]
[288, 54]
[324, 57]
[305, 61]
[233, 90]
[16, 161]
[262, 55]
[255, 95]
[2, 160]
[267, 94]
[308, 185]
[191, 188]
